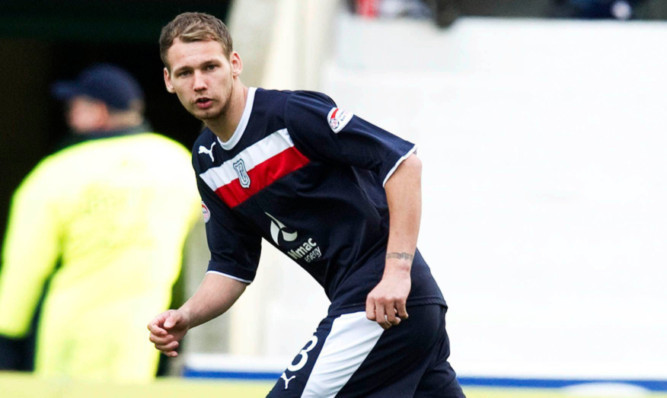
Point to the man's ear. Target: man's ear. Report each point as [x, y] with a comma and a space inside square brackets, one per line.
[167, 81]
[237, 64]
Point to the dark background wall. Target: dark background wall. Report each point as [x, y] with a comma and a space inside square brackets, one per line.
[44, 41]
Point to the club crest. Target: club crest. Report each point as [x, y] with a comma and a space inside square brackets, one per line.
[244, 178]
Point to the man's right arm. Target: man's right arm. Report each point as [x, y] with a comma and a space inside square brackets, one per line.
[216, 294]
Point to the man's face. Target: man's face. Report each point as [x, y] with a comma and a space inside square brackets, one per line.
[86, 114]
[202, 77]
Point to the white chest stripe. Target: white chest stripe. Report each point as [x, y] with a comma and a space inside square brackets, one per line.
[351, 339]
[255, 154]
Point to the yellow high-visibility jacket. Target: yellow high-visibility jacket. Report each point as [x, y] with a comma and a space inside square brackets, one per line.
[106, 221]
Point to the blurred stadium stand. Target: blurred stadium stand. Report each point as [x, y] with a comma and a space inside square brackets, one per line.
[445, 12]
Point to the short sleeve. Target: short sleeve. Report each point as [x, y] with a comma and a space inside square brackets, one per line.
[235, 247]
[330, 134]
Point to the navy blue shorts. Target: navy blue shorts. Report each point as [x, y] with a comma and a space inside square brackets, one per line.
[351, 356]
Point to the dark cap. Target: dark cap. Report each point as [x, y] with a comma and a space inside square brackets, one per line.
[107, 83]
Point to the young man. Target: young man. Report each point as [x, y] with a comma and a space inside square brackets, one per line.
[338, 195]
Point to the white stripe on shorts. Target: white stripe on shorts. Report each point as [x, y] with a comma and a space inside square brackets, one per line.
[351, 339]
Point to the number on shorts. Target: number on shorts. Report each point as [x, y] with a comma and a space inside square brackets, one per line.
[304, 355]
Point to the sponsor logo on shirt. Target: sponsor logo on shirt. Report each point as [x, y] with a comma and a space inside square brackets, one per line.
[309, 251]
[279, 230]
[338, 119]
[205, 212]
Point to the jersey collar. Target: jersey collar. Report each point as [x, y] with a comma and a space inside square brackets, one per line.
[243, 123]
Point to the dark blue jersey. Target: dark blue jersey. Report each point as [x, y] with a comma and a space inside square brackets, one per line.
[308, 177]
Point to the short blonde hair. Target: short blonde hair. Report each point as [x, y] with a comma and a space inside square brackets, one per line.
[194, 26]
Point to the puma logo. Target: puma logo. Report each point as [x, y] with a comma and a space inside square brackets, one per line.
[284, 377]
[209, 152]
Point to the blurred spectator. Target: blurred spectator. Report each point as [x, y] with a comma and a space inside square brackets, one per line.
[390, 8]
[99, 227]
[595, 9]
[443, 12]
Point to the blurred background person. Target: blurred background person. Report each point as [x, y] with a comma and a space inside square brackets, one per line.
[596, 9]
[98, 228]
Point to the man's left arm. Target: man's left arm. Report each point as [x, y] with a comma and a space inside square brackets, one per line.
[386, 303]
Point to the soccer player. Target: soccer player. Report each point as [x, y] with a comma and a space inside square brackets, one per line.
[338, 195]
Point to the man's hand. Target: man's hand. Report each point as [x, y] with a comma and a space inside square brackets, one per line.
[213, 297]
[385, 304]
[167, 329]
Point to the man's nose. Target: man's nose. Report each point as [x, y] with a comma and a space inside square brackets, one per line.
[199, 81]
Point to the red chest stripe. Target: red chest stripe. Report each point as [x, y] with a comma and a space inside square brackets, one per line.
[255, 168]
[262, 176]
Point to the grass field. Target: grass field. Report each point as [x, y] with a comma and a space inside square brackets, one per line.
[26, 386]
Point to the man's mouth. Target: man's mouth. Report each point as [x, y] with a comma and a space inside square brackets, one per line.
[203, 102]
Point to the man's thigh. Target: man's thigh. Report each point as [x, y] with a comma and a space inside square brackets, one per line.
[328, 360]
[350, 356]
[439, 380]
